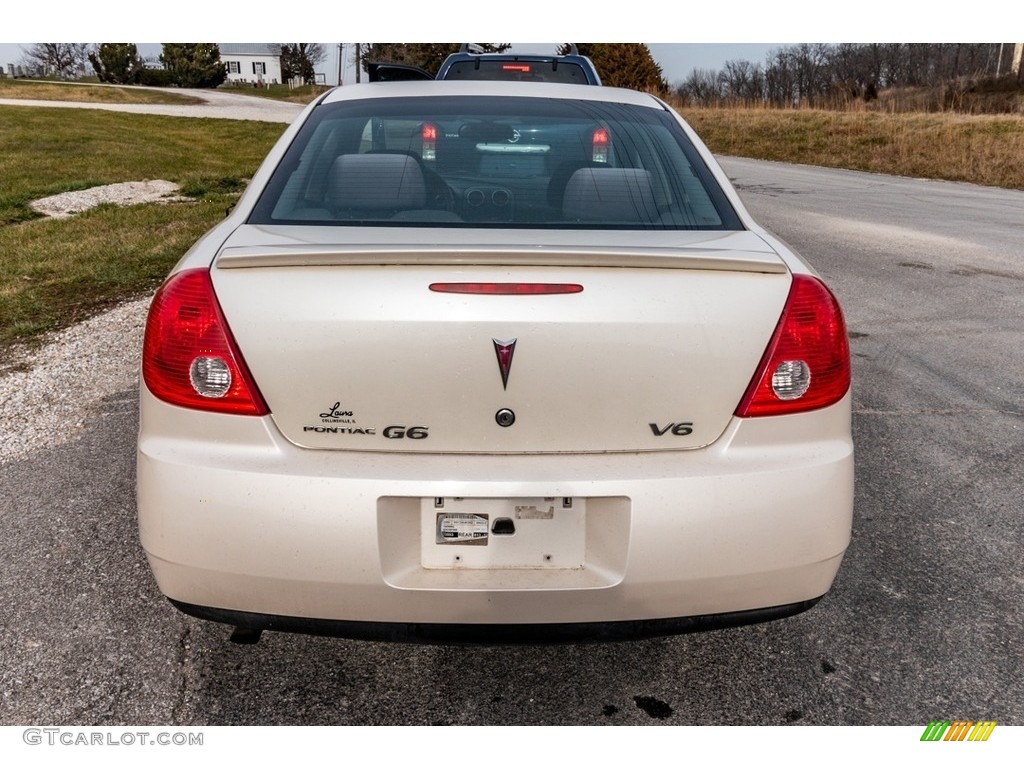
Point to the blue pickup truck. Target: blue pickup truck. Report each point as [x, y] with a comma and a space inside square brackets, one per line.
[471, 63]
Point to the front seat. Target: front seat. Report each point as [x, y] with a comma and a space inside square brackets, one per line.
[615, 195]
[375, 186]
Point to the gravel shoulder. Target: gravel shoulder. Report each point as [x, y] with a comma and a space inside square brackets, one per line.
[67, 379]
[49, 392]
[126, 193]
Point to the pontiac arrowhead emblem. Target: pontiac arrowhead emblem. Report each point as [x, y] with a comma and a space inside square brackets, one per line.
[504, 350]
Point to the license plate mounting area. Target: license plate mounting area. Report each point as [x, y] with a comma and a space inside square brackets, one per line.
[514, 533]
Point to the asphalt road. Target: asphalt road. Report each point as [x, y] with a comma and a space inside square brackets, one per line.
[924, 621]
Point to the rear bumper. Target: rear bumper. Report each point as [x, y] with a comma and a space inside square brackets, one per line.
[494, 634]
[241, 526]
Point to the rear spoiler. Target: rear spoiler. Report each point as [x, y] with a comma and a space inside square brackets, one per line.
[704, 256]
[477, 48]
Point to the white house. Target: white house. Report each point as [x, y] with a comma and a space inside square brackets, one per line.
[252, 62]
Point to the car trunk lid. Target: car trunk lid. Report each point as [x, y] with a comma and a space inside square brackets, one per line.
[353, 349]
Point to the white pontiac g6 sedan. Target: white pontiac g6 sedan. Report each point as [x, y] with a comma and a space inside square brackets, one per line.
[493, 362]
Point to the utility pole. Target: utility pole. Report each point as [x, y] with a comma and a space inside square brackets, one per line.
[359, 61]
[341, 63]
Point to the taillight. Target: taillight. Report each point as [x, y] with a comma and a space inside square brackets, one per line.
[189, 357]
[600, 142]
[807, 362]
[428, 134]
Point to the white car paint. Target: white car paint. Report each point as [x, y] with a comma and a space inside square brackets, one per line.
[641, 502]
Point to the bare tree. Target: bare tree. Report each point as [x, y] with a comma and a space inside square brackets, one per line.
[57, 58]
[780, 78]
[815, 74]
[316, 52]
[743, 81]
[300, 60]
[702, 87]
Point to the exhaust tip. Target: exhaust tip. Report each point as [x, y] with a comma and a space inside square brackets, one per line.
[245, 636]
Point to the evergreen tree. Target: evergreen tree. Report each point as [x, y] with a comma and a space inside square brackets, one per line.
[117, 63]
[624, 65]
[194, 65]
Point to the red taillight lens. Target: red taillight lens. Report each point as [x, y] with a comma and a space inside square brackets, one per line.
[189, 357]
[807, 363]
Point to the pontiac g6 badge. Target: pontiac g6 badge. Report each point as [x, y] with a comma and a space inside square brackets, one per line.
[504, 350]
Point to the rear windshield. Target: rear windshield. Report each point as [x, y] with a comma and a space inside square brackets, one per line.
[535, 71]
[493, 162]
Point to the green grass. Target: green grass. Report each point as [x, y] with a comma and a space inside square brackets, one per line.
[44, 152]
[301, 95]
[55, 272]
[92, 91]
[58, 91]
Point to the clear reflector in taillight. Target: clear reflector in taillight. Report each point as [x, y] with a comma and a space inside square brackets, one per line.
[807, 362]
[210, 376]
[189, 357]
[791, 379]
